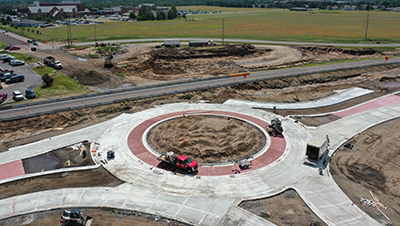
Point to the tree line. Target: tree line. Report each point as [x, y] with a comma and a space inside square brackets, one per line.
[145, 13]
[9, 6]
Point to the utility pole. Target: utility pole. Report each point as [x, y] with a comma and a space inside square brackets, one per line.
[222, 31]
[366, 28]
[68, 32]
[95, 35]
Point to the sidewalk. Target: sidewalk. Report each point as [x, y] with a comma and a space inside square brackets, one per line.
[150, 189]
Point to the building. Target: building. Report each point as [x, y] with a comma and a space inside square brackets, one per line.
[58, 12]
[80, 6]
[28, 23]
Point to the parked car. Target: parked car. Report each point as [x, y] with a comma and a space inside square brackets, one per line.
[7, 47]
[17, 95]
[33, 48]
[3, 97]
[29, 40]
[15, 78]
[35, 43]
[7, 75]
[30, 94]
[17, 62]
[15, 48]
[9, 58]
[2, 56]
[8, 70]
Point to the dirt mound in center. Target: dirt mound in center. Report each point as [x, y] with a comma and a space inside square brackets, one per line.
[208, 139]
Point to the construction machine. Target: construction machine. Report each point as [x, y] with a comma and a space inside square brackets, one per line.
[75, 218]
[275, 127]
[108, 61]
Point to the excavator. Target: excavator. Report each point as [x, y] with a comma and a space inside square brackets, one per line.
[108, 63]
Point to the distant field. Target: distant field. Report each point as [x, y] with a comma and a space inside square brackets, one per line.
[259, 24]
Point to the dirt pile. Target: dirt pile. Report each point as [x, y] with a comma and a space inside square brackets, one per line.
[207, 139]
[191, 53]
[330, 53]
[89, 77]
[332, 49]
[171, 61]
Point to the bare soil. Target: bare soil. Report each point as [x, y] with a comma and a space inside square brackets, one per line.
[101, 217]
[372, 164]
[142, 63]
[286, 208]
[207, 139]
[84, 178]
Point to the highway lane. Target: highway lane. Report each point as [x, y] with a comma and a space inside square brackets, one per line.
[227, 40]
[183, 87]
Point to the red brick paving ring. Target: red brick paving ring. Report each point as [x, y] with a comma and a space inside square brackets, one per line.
[276, 148]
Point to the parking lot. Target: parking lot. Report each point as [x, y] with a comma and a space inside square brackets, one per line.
[32, 79]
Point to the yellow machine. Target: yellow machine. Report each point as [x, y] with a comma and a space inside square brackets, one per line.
[108, 61]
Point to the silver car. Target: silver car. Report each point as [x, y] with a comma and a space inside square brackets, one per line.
[16, 62]
[17, 96]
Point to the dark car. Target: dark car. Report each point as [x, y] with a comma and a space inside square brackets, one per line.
[35, 43]
[15, 48]
[9, 58]
[15, 78]
[3, 97]
[29, 40]
[6, 76]
[33, 48]
[29, 94]
[7, 47]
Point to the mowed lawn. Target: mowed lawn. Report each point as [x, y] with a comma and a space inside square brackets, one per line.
[258, 24]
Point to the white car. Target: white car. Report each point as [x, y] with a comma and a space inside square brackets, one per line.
[16, 62]
[17, 95]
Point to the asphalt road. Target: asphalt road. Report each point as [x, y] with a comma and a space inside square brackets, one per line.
[161, 40]
[185, 87]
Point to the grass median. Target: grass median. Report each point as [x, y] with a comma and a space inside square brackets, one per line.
[62, 86]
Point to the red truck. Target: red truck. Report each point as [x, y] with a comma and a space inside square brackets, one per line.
[179, 161]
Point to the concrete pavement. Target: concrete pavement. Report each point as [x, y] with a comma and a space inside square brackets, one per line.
[339, 97]
[217, 196]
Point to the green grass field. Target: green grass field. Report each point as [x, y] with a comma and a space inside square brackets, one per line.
[259, 24]
[62, 85]
[27, 59]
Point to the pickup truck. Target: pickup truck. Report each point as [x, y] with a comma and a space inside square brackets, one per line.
[52, 62]
[179, 161]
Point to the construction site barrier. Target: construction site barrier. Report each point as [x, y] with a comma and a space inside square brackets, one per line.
[240, 74]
